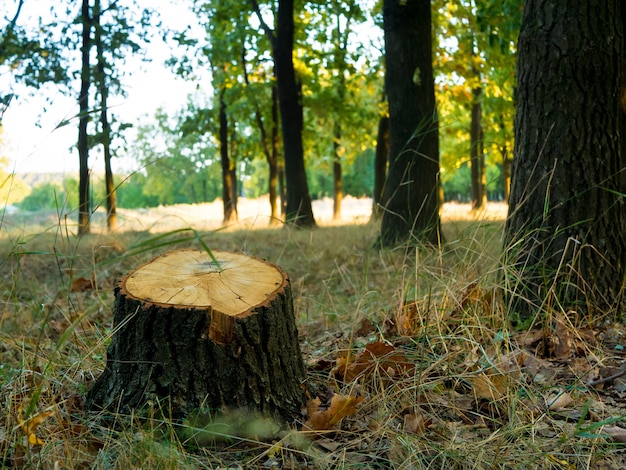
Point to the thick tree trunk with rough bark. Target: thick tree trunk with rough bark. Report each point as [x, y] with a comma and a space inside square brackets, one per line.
[198, 330]
[411, 206]
[299, 208]
[565, 234]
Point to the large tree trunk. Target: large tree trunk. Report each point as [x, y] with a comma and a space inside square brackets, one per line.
[411, 206]
[194, 329]
[299, 208]
[565, 234]
[230, 208]
[623, 103]
[84, 205]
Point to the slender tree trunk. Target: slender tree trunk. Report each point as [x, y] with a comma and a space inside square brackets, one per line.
[411, 191]
[299, 208]
[111, 203]
[506, 163]
[283, 188]
[269, 143]
[506, 172]
[273, 160]
[230, 213]
[477, 155]
[565, 234]
[337, 176]
[380, 164]
[84, 205]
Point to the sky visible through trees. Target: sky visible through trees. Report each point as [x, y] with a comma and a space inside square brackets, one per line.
[474, 43]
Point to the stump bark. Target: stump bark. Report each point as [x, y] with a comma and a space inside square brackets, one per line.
[203, 331]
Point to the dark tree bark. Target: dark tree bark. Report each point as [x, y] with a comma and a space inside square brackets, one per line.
[506, 172]
[299, 208]
[565, 233]
[477, 154]
[111, 201]
[506, 165]
[193, 330]
[380, 165]
[230, 209]
[84, 205]
[623, 104]
[411, 206]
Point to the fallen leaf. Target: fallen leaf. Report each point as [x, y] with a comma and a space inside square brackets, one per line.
[615, 432]
[491, 387]
[414, 423]
[377, 355]
[366, 327]
[563, 347]
[340, 407]
[81, 284]
[29, 426]
[560, 401]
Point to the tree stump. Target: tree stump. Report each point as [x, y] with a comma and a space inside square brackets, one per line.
[200, 330]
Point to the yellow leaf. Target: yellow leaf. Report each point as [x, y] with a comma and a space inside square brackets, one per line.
[29, 426]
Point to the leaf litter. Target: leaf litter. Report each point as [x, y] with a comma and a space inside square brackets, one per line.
[435, 376]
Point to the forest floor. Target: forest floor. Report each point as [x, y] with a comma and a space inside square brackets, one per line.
[415, 343]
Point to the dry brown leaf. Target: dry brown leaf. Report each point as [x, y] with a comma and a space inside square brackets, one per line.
[559, 401]
[376, 355]
[563, 347]
[615, 432]
[414, 423]
[323, 420]
[81, 284]
[366, 328]
[491, 387]
[541, 371]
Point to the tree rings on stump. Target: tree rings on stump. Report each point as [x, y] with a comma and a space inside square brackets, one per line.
[200, 330]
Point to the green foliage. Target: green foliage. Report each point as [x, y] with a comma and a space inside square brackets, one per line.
[131, 195]
[179, 162]
[47, 196]
[359, 178]
[476, 49]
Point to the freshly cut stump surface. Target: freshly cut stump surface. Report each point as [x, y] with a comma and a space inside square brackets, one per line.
[195, 330]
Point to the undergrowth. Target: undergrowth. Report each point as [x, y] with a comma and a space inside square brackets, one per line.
[457, 386]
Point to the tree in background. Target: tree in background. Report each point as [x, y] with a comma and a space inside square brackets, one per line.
[565, 236]
[299, 211]
[475, 76]
[101, 79]
[84, 205]
[410, 201]
[47, 54]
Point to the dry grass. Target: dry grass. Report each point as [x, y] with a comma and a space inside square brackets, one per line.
[477, 394]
